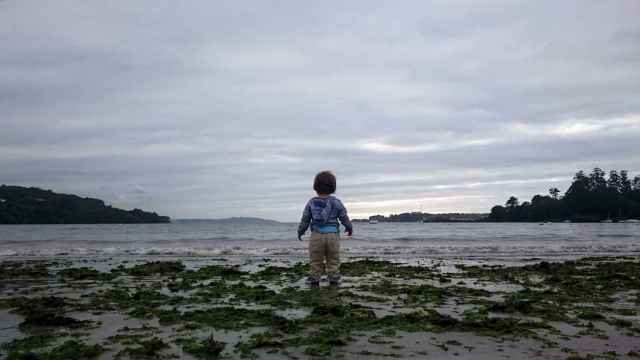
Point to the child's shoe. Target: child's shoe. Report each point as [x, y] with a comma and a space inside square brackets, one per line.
[334, 281]
[312, 282]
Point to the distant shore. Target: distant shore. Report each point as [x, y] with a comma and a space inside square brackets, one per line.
[22, 205]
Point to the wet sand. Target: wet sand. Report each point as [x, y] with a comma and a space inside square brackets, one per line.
[156, 307]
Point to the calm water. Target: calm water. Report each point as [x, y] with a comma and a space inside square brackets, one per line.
[407, 240]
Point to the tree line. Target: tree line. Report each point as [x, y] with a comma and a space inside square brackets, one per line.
[591, 197]
[22, 205]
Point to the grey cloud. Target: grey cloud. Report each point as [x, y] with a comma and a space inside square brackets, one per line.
[221, 109]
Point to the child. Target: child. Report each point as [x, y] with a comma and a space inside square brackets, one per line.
[322, 213]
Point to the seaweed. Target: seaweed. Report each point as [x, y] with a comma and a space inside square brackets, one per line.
[367, 267]
[36, 341]
[153, 268]
[423, 294]
[586, 279]
[208, 348]
[427, 320]
[390, 269]
[590, 314]
[579, 293]
[84, 273]
[146, 349]
[322, 342]
[542, 304]
[502, 326]
[255, 294]
[19, 270]
[70, 349]
[230, 318]
[216, 271]
[44, 312]
[140, 303]
[257, 341]
[274, 273]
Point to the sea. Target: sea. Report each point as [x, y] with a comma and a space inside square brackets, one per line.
[383, 240]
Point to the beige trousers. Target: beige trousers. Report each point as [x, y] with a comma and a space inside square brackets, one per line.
[324, 247]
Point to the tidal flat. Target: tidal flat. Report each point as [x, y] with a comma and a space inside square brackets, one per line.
[253, 307]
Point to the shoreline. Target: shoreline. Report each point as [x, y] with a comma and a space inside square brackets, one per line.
[145, 307]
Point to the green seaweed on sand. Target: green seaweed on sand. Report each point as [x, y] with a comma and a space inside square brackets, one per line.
[35, 341]
[130, 337]
[44, 312]
[216, 271]
[288, 297]
[145, 349]
[552, 290]
[85, 273]
[208, 348]
[306, 298]
[282, 273]
[428, 320]
[390, 269]
[323, 341]
[255, 294]
[424, 293]
[153, 268]
[587, 279]
[363, 297]
[530, 302]
[331, 324]
[579, 293]
[258, 341]
[21, 270]
[230, 318]
[367, 267]
[479, 322]
[71, 349]
[189, 279]
[210, 291]
[141, 303]
[589, 314]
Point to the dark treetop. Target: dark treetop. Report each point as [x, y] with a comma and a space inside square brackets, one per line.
[591, 197]
[21, 205]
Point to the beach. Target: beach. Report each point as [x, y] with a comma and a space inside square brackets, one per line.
[162, 305]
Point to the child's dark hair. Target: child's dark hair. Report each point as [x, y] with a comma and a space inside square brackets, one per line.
[324, 183]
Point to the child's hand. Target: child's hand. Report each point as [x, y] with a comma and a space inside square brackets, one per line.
[349, 232]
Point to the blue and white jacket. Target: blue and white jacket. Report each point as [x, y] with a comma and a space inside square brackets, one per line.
[324, 213]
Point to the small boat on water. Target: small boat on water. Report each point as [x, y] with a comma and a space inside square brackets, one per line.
[373, 221]
[631, 221]
[606, 221]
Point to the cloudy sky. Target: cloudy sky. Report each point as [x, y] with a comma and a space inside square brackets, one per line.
[227, 108]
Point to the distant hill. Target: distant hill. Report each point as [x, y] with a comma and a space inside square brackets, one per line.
[233, 220]
[22, 205]
[418, 216]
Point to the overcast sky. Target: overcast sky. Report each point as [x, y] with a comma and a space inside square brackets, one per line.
[216, 108]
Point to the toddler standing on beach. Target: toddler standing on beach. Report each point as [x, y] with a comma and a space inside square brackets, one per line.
[322, 212]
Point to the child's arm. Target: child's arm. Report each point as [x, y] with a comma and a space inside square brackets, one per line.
[304, 221]
[344, 219]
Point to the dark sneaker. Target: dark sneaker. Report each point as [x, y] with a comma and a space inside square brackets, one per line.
[334, 281]
[313, 282]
